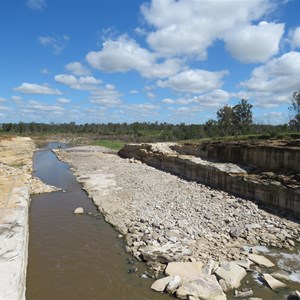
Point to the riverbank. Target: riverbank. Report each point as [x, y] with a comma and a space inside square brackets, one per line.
[16, 186]
[15, 181]
[164, 218]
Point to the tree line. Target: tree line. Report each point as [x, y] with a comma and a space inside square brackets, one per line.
[230, 121]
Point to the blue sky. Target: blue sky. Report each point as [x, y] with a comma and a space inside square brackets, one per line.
[99, 61]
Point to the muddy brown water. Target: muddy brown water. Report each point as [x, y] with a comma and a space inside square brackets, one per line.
[76, 256]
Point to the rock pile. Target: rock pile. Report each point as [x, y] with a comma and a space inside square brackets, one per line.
[166, 219]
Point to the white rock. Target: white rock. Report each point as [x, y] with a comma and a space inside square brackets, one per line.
[232, 273]
[272, 282]
[160, 284]
[184, 269]
[261, 260]
[201, 287]
[79, 210]
[174, 284]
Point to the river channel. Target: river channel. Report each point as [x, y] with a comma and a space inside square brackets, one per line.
[76, 256]
[80, 257]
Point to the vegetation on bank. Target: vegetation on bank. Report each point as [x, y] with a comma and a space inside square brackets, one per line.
[115, 145]
[231, 123]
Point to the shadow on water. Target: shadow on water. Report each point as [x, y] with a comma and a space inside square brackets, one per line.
[75, 256]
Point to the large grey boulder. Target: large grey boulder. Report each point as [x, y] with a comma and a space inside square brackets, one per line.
[201, 287]
[232, 273]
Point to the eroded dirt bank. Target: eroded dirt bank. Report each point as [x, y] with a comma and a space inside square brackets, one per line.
[166, 219]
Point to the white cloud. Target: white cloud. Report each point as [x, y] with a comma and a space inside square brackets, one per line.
[4, 108]
[180, 101]
[77, 69]
[123, 55]
[213, 99]
[81, 83]
[253, 44]
[45, 71]
[36, 4]
[2, 99]
[295, 39]
[151, 95]
[40, 109]
[133, 92]
[191, 26]
[141, 111]
[106, 97]
[63, 100]
[58, 43]
[273, 83]
[17, 99]
[33, 88]
[194, 81]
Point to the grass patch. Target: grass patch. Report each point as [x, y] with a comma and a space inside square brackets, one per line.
[115, 145]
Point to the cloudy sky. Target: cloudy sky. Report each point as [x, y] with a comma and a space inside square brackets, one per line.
[146, 60]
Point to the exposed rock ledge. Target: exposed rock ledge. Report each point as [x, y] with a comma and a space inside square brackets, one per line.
[268, 188]
[165, 218]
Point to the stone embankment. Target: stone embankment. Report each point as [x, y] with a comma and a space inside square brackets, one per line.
[235, 168]
[16, 185]
[15, 179]
[204, 240]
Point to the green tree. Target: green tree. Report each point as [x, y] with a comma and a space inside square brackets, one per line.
[295, 110]
[226, 118]
[243, 117]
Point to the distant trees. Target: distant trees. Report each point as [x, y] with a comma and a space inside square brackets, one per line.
[295, 110]
[243, 117]
[236, 119]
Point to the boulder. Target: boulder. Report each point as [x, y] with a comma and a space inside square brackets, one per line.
[232, 273]
[273, 283]
[174, 284]
[160, 284]
[261, 260]
[201, 287]
[184, 269]
[78, 210]
[164, 253]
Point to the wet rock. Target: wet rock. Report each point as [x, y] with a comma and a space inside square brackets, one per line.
[78, 210]
[184, 269]
[281, 276]
[232, 273]
[201, 287]
[273, 283]
[294, 296]
[261, 260]
[160, 284]
[243, 294]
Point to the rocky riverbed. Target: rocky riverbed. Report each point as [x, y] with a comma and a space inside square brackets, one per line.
[165, 219]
